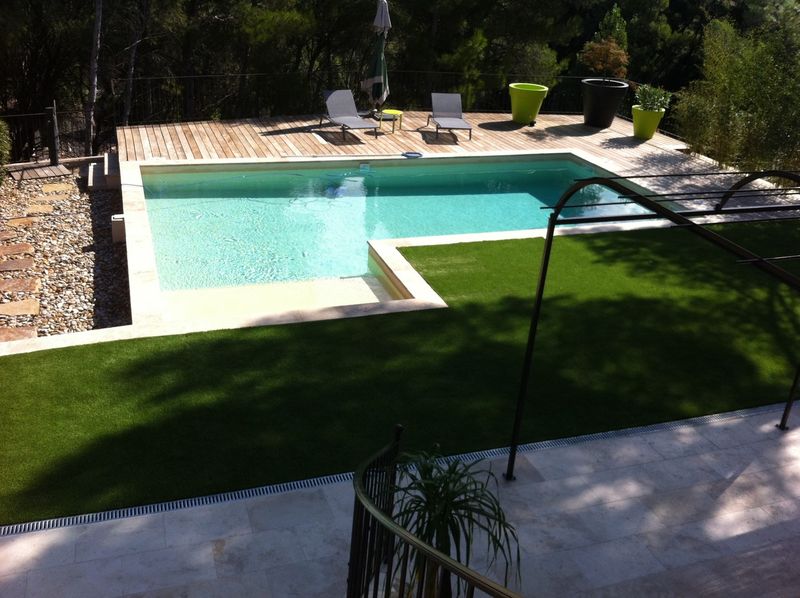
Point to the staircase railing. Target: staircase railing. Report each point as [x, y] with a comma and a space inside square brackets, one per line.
[385, 558]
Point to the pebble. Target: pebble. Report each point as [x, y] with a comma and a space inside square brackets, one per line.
[84, 277]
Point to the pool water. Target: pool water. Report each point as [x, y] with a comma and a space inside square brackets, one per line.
[216, 229]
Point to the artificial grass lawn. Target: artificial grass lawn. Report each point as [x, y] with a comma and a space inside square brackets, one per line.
[637, 327]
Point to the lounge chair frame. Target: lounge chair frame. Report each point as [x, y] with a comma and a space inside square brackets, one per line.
[340, 102]
[447, 113]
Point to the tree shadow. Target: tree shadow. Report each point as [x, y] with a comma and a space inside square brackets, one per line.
[208, 413]
[110, 277]
[305, 128]
[692, 266]
[625, 142]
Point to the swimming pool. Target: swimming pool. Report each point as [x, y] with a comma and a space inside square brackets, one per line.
[293, 223]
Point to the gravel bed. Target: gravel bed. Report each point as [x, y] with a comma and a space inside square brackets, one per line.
[84, 277]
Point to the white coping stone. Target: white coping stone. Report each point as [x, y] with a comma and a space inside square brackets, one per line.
[151, 318]
[199, 524]
[119, 537]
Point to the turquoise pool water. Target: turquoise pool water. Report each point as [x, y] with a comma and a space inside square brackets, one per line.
[234, 228]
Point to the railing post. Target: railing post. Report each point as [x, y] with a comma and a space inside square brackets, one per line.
[788, 409]
[53, 141]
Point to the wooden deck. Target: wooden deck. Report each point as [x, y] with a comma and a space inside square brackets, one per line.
[301, 136]
[298, 136]
[37, 171]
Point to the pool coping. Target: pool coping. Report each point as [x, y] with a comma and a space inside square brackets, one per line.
[147, 304]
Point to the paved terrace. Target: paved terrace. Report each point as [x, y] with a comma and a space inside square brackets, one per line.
[700, 509]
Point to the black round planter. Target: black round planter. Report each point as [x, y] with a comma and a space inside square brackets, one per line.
[601, 100]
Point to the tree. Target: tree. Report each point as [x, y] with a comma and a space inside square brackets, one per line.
[605, 58]
[92, 97]
[606, 54]
[613, 26]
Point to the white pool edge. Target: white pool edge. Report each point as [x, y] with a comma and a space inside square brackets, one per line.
[147, 303]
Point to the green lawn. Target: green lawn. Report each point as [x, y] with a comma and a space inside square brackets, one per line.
[637, 328]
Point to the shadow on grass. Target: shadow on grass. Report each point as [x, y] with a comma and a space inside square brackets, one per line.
[208, 413]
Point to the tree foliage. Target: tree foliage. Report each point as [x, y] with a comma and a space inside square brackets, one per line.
[5, 146]
[160, 59]
[613, 26]
[606, 54]
[744, 110]
[605, 58]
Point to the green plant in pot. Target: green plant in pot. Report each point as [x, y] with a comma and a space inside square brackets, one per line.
[450, 506]
[605, 55]
[651, 104]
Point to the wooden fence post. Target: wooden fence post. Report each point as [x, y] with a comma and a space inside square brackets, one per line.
[53, 142]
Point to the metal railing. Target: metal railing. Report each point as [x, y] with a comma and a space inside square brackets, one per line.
[32, 135]
[386, 559]
[225, 96]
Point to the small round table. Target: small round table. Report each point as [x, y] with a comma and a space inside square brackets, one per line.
[395, 115]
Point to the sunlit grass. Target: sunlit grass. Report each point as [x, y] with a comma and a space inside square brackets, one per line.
[637, 328]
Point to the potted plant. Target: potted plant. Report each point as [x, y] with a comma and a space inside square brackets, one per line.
[606, 55]
[450, 505]
[652, 103]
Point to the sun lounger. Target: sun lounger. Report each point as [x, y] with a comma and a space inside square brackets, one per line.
[342, 111]
[447, 113]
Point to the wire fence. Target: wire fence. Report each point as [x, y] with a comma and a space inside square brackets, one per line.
[152, 100]
[31, 135]
[175, 99]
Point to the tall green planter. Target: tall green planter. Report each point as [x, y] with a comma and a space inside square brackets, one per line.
[645, 122]
[526, 101]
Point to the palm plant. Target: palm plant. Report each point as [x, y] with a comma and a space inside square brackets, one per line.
[449, 505]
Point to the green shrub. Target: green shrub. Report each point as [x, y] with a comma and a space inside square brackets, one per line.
[744, 111]
[652, 98]
[5, 145]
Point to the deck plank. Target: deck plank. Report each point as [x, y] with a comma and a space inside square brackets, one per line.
[200, 140]
[245, 132]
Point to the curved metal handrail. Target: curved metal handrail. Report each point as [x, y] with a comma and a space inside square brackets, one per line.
[472, 579]
[678, 218]
[781, 174]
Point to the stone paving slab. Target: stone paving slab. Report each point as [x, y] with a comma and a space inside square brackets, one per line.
[26, 307]
[48, 199]
[56, 187]
[17, 333]
[21, 222]
[18, 264]
[15, 249]
[20, 285]
[675, 514]
[39, 209]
